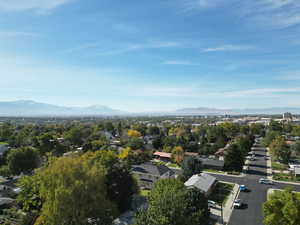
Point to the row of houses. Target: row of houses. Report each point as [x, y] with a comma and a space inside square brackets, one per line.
[149, 173]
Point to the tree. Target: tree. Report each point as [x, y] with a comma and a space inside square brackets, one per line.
[178, 154]
[296, 148]
[270, 136]
[282, 207]
[234, 159]
[275, 126]
[4, 171]
[296, 131]
[171, 203]
[135, 143]
[133, 134]
[23, 159]
[244, 143]
[191, 165]
[73, 191]
[119, 182]
[280, 150]
[75, 135]
[29, 197]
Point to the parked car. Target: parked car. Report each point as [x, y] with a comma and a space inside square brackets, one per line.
[252, 159]
[243, 188]
[237, 203]
[212, 204]
[265, 181]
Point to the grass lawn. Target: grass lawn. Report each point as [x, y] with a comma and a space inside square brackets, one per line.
[173, 165]
[286, 177]
[278, 166]
[3, 143]
[145, 193]
[213, 171]
[221, 193]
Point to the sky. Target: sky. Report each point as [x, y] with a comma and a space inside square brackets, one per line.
[159, 55]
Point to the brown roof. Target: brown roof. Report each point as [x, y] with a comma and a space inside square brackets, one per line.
[162, 154]
[191, 154]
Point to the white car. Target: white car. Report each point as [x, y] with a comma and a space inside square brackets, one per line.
[265, 181]
[211, 204]
[237, 203]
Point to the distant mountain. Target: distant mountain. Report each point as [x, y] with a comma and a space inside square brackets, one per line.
[213, 111]
[274, 110]
[203, 111]
[32, 108]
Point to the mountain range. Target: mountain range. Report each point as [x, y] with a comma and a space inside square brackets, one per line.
[32, 108]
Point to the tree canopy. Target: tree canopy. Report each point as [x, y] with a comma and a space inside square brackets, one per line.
[282, 207]
[23, 159]
[171, 203]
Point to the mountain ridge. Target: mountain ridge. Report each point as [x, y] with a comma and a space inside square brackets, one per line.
[33, 108]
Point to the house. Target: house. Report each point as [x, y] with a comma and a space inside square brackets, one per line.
[204, 182]
[148, 173]
[297, 171]
[215, 164]
[163, 156]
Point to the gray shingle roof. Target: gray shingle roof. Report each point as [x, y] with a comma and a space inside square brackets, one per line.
[150, 168]
[203, 182]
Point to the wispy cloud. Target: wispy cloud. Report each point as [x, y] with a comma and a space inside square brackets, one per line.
[290, 75]
[261, 91]
[273, 13]
[181, 62]
[228, 48]
[36, 5]
[14, 34]
[136, 47]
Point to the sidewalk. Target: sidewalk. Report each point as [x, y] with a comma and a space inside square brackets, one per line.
[227, 209]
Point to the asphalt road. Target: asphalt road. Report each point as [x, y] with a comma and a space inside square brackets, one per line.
[252, 213]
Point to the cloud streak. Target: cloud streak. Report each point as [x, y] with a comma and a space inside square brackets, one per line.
[228, 48]
[272, 13]
[36, 5]
[181, 63]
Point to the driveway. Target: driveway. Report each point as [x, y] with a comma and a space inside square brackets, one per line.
[252, 215]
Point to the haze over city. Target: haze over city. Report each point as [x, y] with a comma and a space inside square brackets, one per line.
[144, 55]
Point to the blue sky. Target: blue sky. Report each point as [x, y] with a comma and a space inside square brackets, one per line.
[151, 55]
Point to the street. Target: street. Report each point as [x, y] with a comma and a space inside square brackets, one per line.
[252, 214]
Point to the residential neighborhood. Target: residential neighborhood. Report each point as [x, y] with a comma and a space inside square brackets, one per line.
[235, 184]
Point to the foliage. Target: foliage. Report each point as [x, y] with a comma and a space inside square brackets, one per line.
[296, 148]
[234, 159]
[73, 190]
[191, 166]
[133, 134]
[178, 154]
[296, 131]
[280, 150]
[282, 207]
[23, 159]
[4, 171]
[29, 197]
[270, 136]
[171, 203]
[221, 192]
[135, 143]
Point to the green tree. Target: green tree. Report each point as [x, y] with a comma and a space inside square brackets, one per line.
[24, 159]
[170, 203]
[73, 191]
[29, 197]
[234, 159]
[296, 148]
[191, 165]
[270, 136]
[280, 150]
[282, 208]
[135, 143]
